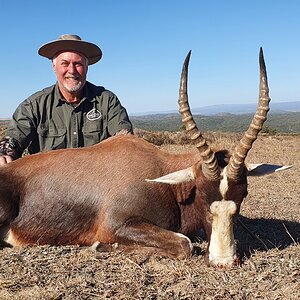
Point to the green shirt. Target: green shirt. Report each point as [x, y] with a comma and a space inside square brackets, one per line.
[45, 121]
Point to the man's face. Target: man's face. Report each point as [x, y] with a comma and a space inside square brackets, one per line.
[71, 70]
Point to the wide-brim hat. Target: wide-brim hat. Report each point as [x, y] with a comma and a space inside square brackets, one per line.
[71, 42]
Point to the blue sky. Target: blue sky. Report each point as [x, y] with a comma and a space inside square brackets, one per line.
[144, 44]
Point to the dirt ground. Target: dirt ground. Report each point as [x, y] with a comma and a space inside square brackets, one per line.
[268, 239]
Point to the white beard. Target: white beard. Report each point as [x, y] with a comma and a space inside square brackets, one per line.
[73, 88]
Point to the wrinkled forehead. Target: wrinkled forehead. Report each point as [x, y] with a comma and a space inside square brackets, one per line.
[70, 56]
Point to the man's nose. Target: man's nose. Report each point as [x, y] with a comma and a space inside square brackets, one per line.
[71, 69]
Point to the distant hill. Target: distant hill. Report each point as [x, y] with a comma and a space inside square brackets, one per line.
[288, 122]
[4, 122]
[223, 109]
[280, 107]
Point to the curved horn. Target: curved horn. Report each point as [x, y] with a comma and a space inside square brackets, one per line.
[210, 166]
[237, 160]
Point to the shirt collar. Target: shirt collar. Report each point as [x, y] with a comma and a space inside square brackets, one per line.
[87, 95]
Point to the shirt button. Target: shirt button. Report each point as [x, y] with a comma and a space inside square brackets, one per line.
[74, 132]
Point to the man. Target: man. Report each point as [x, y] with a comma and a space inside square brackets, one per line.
[72, 113]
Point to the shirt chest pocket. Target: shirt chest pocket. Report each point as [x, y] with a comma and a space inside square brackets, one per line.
[93, 132]
[51, 137]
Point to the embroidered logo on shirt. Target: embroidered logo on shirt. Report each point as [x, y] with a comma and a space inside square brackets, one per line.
[94, 114]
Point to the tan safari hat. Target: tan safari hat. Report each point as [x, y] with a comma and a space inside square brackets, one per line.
[71, 42]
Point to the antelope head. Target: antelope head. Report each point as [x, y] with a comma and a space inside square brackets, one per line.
[220, 179]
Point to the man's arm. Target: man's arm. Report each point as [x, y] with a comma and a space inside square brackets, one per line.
[18, 134]
[118, 120]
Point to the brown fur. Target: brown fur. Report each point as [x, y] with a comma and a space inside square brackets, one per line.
[99, 193]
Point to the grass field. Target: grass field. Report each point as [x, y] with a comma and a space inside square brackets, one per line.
[268, 239]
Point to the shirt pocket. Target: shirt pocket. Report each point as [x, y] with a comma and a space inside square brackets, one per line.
[51, 137]
[93, 132]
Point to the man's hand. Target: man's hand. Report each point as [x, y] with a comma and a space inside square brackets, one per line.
[123, 132]
[5, 159]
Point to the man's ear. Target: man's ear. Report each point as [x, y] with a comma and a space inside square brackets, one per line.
[264, 169]
[53, 65]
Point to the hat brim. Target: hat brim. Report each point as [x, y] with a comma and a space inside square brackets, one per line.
[91, 51]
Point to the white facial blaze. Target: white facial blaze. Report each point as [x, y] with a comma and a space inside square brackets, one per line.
[224, 183]
[222, 248]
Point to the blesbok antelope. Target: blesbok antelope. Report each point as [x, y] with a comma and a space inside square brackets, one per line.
[117, 192]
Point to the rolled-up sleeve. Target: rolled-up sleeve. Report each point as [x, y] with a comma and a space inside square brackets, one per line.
[22, 126]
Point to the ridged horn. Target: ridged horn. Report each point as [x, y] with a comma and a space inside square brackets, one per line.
[237, 160]
[210, 166]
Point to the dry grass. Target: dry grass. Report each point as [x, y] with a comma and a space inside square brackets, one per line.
[269, 246]
[159, 138]
[2, 131]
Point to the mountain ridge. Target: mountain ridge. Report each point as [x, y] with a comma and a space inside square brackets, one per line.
[235, 109]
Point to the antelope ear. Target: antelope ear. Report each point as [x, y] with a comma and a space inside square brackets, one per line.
[180, 176]
[264, 169]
